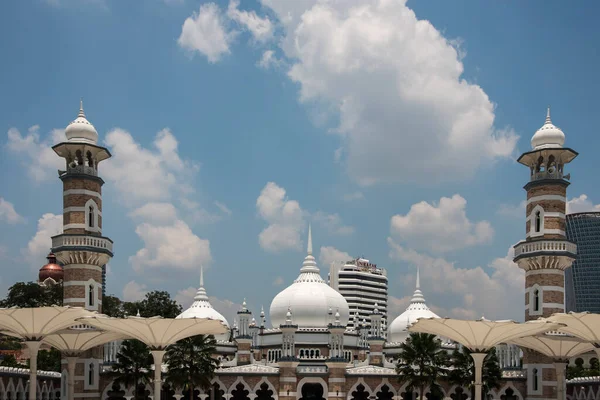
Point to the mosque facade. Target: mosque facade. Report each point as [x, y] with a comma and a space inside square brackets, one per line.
[316, 347]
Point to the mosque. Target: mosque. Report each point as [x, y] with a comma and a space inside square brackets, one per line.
[316, 348]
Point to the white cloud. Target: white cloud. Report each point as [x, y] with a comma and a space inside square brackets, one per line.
[269, 60]
[581, 204]
[40, 244]
[332, 223]
[467, 292]
[172, 246]
[514, 211]
[8, 213]
[133, 291]
[155, 212]
[207, 33]
[261, 28]
[278, 281]
[224, 209]
[185, 297]
[440, 228]
[354, 196]
[285, 219]
[397, 84]
[329, 254]
[37, 156]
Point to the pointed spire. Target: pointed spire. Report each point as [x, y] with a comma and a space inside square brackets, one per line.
[418, 286]
[201, 275]
[81, 113]
[309, 249]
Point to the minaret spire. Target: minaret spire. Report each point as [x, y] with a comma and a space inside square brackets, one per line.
[309, 248]
[201, 275]
[548, 120]
[418, 285]
[81, 113]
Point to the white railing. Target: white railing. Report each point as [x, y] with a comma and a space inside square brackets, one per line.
[311, 369]
[545, 245]
[25, 372]
[82, 240]
[82, 169]
[513, 374]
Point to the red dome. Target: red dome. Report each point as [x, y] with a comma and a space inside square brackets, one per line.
[51, 270]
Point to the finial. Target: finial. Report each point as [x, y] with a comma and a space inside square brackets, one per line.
[262, 311]
[138, 313]
[81, 113]
[548, 120]
[201, 275]
[309, 247]
[418, 286]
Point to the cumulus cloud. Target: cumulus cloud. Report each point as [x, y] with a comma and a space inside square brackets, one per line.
[185, 297]
[581, 204]
[512, 210]
[440, 227]
[134, 291]
[354, 196]
[40, 244]
[468, 292]
[207, 33]
[396, 84]
[37, 156]
[155, 212]
[285, 219]
[329, 254]
[269, 60]
[8, 213]
[332, 223]
[261, 28]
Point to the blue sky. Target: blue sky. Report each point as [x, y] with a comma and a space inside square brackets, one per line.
[234, 125]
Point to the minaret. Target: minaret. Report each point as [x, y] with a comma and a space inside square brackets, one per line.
[243, 338]
[81, 248]
[546, 252]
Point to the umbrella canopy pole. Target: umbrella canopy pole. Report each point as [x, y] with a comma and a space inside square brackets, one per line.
[158, 358]
[561, 368]
[478, 359]
[71, 362]
[33, 346]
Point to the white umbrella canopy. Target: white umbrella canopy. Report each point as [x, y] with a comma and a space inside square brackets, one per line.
[158, 333]
[583, 325]
[479, 336]
[73, 341]
[33, 324]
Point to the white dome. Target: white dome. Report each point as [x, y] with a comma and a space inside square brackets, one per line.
[81, 130]
[309, 299]
[548, 136]
[201, 308]
[398, 330]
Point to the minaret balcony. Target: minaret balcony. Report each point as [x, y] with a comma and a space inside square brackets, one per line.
[82, 242]
[82, 169]
[537, 254]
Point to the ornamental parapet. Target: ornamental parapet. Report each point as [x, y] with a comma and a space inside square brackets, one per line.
[543, 247]
[82, 242]
[311, 369]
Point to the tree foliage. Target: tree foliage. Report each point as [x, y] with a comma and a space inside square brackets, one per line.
[155, 303]
[112, 306]
[462, 371]
[31, 294]
[133, 364]
[422, 362]
[48, 360]
[191, 363]
[10, 361]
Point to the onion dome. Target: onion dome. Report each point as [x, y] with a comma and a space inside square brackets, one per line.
[51, 270]
[548, 136]
[201, 308]
[310, 298]
[398, 330]
[81, 130]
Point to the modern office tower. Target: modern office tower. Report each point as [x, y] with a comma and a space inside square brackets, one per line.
[582, 281]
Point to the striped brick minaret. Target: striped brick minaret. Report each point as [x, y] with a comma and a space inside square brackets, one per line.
[81, 248]
[546, 252]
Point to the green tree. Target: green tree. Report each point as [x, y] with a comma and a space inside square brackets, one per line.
[155, 303]
[191, 363]
[48, 360]
[112, 306]
[31, 294]
[10, 361]
[421, 363]
[462, 371]
[133, 364]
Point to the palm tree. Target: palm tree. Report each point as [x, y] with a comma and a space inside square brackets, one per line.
[463, 371]
[421, 363]
[133, 364]
[191, 363]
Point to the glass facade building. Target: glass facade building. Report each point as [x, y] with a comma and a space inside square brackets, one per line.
[582, 280]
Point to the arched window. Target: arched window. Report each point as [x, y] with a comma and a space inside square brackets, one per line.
[538, 221]
[91, 375]
[79, 157]
[91, 216]
[91, 295]
[535, 379]
[536, 300]
[90, 161]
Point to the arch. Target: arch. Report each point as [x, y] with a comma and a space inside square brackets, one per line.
[359, 381]
[536, 221]
[79, 157]
[238, 381]
[535, 379]
[536, 297]
[264, 380]
[458, 392]
[10, 390]
[91, 303]
[92, 212]
[514, 391]
[311, 379]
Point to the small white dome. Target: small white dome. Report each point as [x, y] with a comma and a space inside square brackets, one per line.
[201, 308]
[81, 130]
[309, 299]
[548, 136]
[398, 330]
